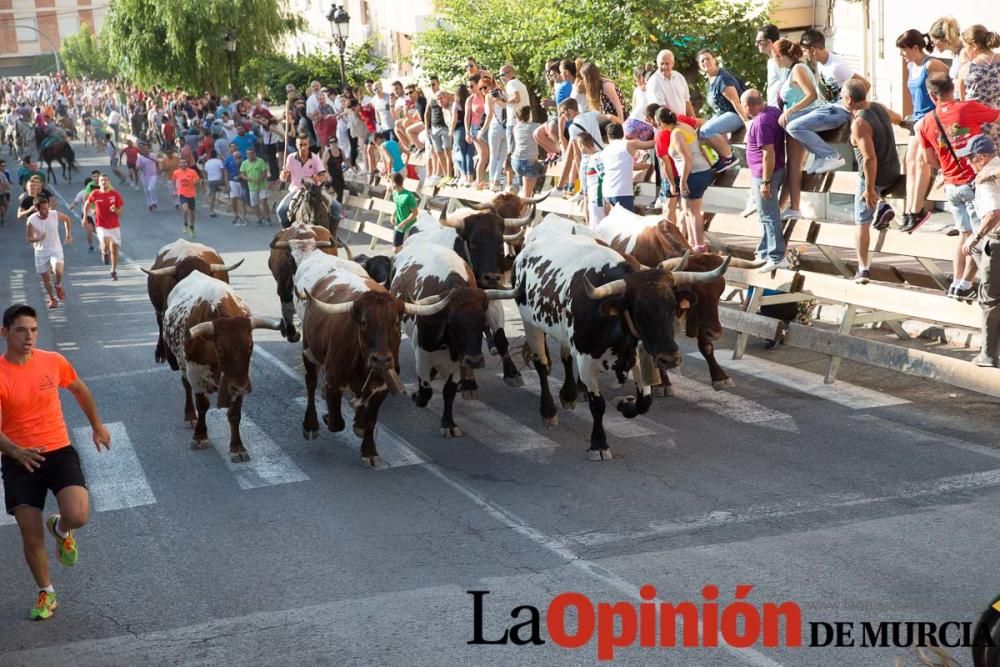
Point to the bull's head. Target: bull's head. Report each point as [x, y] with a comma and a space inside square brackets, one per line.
[481, 237]
[189, 265]
[232, 338]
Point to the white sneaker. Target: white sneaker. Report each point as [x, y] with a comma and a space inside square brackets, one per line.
[791, 214]
[828, 164]
[657, 204]
[750, 208]
[773, 266]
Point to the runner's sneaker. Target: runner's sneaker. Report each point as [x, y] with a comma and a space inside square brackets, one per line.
[105, 257]
[60, 292]
[53, 303]
[114, 275]
[65, 546]
[44, 606]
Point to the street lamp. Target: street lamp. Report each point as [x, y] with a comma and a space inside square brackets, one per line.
[229, 41]
[339, 21]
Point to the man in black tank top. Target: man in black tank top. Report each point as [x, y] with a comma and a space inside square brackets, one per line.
[878, 166]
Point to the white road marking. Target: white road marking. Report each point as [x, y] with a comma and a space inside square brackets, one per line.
[391, 447]
[5, 519]
[926, 437]
[115, 477]
[788, 508]
[846, 394]
[279, 364]
[268, 464]
[731, 406]
[614, 423]
[496, 430]
[124, 374]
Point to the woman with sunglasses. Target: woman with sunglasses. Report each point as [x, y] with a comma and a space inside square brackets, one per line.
[333, 158]
[475, 116]
[494, 130]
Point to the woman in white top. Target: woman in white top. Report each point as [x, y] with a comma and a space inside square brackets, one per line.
[494, 129]
[946, 36]
[799, 94]
[694, 174]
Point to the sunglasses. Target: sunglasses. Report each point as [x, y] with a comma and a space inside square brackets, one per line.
[469, 66]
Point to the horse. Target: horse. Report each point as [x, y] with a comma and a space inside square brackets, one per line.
[23, 133]
[59, 151]
[312, 206]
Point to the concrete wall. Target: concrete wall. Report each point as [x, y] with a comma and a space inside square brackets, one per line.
[55, 19]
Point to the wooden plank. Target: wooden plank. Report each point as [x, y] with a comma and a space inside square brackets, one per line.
[781, 280]
[411, 184]
[846, 183]
[561, 206]
[383, 206]
[360, 203]
[750, 323]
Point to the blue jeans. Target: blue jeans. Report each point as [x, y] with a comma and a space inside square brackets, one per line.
[497, 139]
[465, 151]
[625, 202]
[961, 199]
[862, 214]
[722, 124]
[772, 243]
[804, 125]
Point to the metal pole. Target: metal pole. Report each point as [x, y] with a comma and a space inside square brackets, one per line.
[55, 51]
[343, 76]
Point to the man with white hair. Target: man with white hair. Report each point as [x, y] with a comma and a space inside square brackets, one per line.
[668, 87]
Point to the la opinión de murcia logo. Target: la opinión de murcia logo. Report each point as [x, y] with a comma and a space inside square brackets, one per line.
[572, 621]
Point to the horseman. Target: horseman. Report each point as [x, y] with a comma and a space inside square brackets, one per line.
[301, 166]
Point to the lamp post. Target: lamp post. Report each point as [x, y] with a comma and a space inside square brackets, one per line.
[339, 20]
[229, 41]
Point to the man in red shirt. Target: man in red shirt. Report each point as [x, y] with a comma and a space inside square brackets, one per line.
[35, 451]
[131, 153]
[107, 204]
[961, 121]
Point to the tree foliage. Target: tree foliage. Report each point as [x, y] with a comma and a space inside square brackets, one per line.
[180, 42]
[82, 55]
[617, 35]
[270, 73]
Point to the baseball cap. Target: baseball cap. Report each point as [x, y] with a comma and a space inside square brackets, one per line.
[980, 144]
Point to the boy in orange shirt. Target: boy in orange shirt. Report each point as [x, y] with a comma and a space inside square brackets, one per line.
[35, 452]
[185, 178]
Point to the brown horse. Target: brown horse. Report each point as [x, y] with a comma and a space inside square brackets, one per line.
[59, 151]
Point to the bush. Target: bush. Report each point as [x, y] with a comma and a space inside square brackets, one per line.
[270, 73]
[83, 56]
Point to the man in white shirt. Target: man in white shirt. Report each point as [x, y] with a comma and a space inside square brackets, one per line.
[312, 102]
[42, 231]
[667, 87]
[766, 37]
[982, 156]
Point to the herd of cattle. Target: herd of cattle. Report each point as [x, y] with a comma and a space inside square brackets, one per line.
[608, 297]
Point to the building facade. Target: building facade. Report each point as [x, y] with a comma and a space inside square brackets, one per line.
[30, 28]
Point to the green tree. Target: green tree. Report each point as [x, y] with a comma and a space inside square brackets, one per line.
[180, 43]
[83, 55]
[270, 73]
[617, 35]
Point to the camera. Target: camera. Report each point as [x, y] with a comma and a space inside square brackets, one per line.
[496, 93]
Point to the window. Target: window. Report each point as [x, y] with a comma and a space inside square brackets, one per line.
[69, 25]
[26, 27]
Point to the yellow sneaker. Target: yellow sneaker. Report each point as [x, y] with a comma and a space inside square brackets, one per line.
[45, 605]
[65, 546]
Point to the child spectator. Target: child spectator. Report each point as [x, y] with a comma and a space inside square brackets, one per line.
[524, 158]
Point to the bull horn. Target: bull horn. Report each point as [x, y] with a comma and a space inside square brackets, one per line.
[494, 294]
[514, 239]
[165, 271]
[300, 295]
[205, 329]
[541, 197]
[423, 309]
[216, 268]
[614, 288]
[257, 322]
[479, 206]
[675, 263]
[280, 245]
[323, 244]
[695, 277]
[454, 224]
[346, 248]
[737, 263]
[330, 308]
[514, 223]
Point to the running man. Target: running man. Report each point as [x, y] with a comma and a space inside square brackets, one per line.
[107, 203]
[186, 179]
[35, 452]
[42, 231]
[254, 171]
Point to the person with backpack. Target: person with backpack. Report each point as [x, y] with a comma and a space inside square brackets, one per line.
[723, 96]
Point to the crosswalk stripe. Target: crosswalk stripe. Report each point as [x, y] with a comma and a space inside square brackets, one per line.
[496, 430]
[268, 464]
[115, 477]
[615, 424]
[393, 449]
[846, 394]
[730, 405]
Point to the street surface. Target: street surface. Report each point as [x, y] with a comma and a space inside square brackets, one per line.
[873, 499]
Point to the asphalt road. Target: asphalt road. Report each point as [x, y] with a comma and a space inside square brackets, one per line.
[871, 500]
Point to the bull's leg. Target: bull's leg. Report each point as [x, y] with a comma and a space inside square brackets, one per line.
[448, 427]
[567, 393]
[511, 376]
[200, 439]
[237, 452]
[589, 368]
[538, 356]
[334, 418]
[310, 423]
[720, 380]
[288, 320]
[468, 385]
[647, 372]
[425, 371]
[190, 416]
[160, 354]
[368, 414]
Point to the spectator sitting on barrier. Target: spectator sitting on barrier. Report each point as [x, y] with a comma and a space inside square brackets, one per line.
[878, 166]
[981, 154]
[963, 121]
[724, 92]
[799, 94]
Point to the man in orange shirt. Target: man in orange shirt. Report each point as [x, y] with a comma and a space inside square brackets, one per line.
[35, 452]
[186, 179]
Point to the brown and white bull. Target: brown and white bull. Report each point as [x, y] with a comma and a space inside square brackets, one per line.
[600, 307]
[288, 248]
[351, 331]
[651, 240]
[174, 262]
[209, 335]
[479, 239]
[451, 341]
